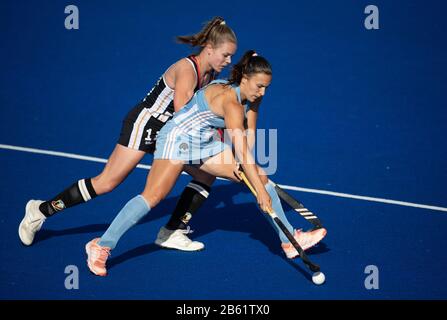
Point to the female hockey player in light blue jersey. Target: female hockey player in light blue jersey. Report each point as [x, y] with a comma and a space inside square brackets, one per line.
[190, 138]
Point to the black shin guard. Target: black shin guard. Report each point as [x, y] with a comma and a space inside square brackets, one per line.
[192, 198]
[80, 192]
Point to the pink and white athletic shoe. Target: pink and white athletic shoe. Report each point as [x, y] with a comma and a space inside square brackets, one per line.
[305, 239]
[97, 257]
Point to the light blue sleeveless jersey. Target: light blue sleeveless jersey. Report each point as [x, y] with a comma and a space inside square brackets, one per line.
[191, 134]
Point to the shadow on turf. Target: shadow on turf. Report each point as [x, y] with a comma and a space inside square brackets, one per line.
[230, 207]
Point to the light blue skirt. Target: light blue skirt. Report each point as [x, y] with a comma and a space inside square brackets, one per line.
[175, 144]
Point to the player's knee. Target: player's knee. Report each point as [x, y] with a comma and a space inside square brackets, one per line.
[264, 179]
[153, 198]
[263, 176]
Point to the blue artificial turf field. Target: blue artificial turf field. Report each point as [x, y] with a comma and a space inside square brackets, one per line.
[358, 111]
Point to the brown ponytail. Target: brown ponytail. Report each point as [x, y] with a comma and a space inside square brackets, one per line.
[249, 64]
[215, 32]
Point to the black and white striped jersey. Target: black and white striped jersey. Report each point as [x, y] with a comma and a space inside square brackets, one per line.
[142, 123]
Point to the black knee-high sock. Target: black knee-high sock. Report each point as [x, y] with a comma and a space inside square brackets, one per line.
[80, 192]
[192, 198]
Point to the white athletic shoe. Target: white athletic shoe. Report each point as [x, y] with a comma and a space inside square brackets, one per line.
[177, 239]
[31, 223]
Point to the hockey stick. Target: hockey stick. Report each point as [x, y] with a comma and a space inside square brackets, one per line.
[298, 207]
[312, 266]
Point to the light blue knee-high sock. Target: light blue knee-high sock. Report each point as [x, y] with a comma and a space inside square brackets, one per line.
[277, 207]
[129, 216]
